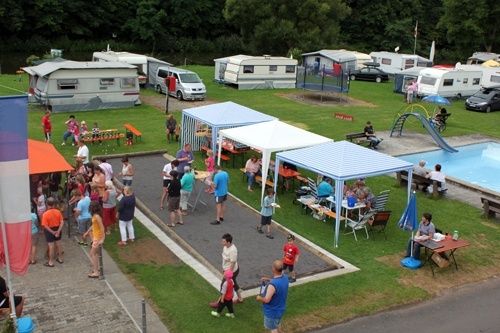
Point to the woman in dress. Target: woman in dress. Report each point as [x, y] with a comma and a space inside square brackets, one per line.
[109, 206]
[98, 236]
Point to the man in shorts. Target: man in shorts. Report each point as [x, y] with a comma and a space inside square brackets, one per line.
[82, 214]
[52, 223]
[266, 213]
[221, 180]
[274, 297]
[167, 179]
[174, 198]
[4, 299]
[290, 257]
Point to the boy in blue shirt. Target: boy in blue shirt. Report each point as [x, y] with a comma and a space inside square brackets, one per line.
[221, 180]
[266, 213]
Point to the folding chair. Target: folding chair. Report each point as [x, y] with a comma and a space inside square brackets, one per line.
[358, 225]
[379, 222]
[381, 200]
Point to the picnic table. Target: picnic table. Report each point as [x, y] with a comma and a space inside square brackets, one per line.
[447, 246]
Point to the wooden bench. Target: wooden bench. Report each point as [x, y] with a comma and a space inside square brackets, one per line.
[302, 180]
[358, 138]
[491, 206]
[104, 135]
[418, 180]
[258, 179]
[135, 132]
[223, 157]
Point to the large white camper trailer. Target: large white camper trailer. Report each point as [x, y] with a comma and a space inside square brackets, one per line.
[491, 75]
[392, 63]
[73, 86]
[257, 72]
[448, 82]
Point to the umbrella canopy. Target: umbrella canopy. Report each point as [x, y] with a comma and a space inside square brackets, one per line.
[409, 222]
[436, 99]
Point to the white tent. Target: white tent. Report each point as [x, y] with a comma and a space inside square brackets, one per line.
[343, 161]
[269, 137]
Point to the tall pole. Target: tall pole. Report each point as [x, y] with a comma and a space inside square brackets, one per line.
[416, 33]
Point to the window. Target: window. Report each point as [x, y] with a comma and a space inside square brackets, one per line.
[447, 82]
[162, 73]
[430, 81]
[476, 81]
[67, 84]
[495, 78]
[107, 82]
[273, 68]
[248, 69]
[465, 80]
[128, 82]
[386, 61]
[409, 63]
[290, 69]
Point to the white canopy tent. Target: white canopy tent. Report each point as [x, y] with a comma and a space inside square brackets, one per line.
[343, 161]
[269, 137]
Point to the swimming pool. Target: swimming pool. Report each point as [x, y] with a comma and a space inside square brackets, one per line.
[478, 164]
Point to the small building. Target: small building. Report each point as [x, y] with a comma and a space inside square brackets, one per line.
[256, 72]
[392, 63]
[74, 86]
[325, 59]
[146, 65]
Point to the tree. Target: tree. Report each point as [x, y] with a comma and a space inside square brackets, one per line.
[471, 25]
[280, 25]
[147, 25]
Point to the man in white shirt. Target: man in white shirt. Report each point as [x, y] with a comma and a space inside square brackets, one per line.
[438, 176]
[230, 261]
[107, 168]
[83, 152]
[420, 169]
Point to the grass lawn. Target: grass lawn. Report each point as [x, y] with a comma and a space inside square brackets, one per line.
[180, 295]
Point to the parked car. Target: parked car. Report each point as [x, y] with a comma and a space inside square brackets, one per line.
[188, 84]
[369, 73]
[485, 100]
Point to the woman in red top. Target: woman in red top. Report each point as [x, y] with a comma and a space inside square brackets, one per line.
[291, 256]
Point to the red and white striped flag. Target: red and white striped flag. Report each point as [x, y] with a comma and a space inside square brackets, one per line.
[15, 216]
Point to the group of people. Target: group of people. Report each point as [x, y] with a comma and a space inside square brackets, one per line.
[74, 129]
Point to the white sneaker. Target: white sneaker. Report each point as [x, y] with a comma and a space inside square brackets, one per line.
[64, 143]
[215, 314]
[230, 315]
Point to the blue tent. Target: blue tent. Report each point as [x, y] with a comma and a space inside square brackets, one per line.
[343, 161]
[217, 116]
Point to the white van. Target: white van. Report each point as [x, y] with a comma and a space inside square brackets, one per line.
[188, 84]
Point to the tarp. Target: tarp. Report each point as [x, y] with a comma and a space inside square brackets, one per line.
[44, 158]
[270, 137]
[343, 161]
[491, 63]
[217, 116]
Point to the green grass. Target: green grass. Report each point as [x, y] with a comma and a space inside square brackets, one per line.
[180, 295]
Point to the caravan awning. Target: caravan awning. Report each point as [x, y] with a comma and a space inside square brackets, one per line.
[44, 158]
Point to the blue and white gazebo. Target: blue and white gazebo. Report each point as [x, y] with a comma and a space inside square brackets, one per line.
[217, 116]
[343, 161]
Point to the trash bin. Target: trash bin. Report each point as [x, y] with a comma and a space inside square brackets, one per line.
[25, 325]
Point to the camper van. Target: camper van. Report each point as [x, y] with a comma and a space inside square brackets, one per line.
[74, 86]
[188, 84]
[448, 82]
[393, 63]
[256, 72]
[146, 66]
[491, 75]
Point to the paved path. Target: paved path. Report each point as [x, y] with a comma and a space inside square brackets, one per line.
[470, 309]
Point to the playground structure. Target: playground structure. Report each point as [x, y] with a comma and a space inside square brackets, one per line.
[420, 112]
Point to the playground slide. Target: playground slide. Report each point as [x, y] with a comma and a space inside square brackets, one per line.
[432, 131]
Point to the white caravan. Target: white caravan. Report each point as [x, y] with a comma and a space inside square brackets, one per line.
[256, 72]
[491, 75]
[73, 85]
[448, 82]
[393, 63]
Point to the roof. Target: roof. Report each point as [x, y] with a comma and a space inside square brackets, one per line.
[337, 55]
[407, 55]
[227, 114]
[44, 158]
[240, 58]
[50, 67]
[484, 56]
[343, 160]
[273, 136]
[411, 71]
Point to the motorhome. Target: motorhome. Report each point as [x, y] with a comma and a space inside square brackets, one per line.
[188, 85]
[491, 75]
[74, 86]
[448, 82]
[392, 63]
[256, 72]
[147, 66]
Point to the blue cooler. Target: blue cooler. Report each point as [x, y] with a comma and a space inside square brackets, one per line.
[351, 201]
[25, 325]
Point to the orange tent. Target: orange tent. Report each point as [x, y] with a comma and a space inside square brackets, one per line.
[44, 158]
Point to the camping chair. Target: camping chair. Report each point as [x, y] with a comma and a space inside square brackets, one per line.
[379, 222]
[380, 201]
[358, 225]
[311, 197]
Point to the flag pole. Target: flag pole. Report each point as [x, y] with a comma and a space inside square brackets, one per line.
[415, 35]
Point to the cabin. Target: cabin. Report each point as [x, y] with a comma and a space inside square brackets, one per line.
[448, 82]
[326, 59]
[490, 75]
[77, 86]
[147, 66]
[256, 72]
[392, 63]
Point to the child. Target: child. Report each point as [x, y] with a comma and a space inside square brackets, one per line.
[210, 164]
[98, 236]
[291, 257]
[34, 237]
[96, 132]
[84, 129]
[267, 213]
[94, 193]
[226, 295]
[177, 132]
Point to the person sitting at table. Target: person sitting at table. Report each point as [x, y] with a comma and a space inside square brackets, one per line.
[363, 193]
[426, 230]
[252, 169]
[325, 188]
